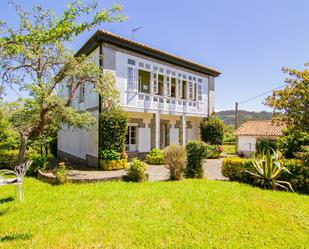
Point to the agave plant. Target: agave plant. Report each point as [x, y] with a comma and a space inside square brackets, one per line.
[268, 170]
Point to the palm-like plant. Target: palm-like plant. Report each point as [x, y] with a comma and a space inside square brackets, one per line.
[268, 170]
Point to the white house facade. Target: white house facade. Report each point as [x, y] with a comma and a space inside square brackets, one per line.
[165, 97]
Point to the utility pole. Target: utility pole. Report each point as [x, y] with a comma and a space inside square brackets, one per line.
[236, 115]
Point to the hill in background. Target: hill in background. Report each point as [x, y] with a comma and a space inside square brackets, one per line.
[228, 116]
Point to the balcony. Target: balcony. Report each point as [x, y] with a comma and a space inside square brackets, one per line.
[169, 105]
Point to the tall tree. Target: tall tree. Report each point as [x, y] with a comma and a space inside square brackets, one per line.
[35, 58]
[291, 104]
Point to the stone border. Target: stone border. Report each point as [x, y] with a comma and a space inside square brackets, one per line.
[50, 178]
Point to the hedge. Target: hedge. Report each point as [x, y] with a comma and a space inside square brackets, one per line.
[236, 170]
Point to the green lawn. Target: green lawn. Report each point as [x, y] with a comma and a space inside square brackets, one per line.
[186, 214]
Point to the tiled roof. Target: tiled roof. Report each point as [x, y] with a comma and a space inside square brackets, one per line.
[105, 36]
[260, 128]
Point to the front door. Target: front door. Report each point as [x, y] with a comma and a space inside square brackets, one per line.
[131, 138]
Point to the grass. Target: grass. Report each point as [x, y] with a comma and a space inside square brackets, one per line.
[229, 149]
[186, 214]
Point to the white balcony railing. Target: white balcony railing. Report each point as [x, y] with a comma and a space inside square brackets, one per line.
[163, 103]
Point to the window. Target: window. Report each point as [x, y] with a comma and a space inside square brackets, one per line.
[147, 66]
[199, 92]
[155, 88]
[167, 85]
[141, 64]
[131, 62]
[131, 138]
[179, 88]
[191, 90]
[82, 92]
[132, 79]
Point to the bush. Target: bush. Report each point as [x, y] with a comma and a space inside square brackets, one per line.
[53, 146]
[175, 159]
[8, 159]
[113, 130]
[136, 171]
[155, 156]
[292, 142]
[38, 163]
[112, 160]
[236, 169]
[298, 176]
[109, 155]
[60, 173]
[212, 130]
[265, 146]
[196, 152]
[215, 151]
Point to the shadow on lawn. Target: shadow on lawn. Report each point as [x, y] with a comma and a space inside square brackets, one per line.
[7, 199]
[16, 236]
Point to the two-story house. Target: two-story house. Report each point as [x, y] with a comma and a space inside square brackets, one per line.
[164, 95]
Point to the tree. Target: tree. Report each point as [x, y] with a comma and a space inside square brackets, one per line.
[212, 130]
[35, 58]
[291, 104]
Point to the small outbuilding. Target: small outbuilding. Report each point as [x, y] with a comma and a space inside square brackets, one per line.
[249, 133]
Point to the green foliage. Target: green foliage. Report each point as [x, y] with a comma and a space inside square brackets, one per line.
[229, 136]
[34, 58]
[136, 171]
[290, 104]
[298, 175]
[268, 170]
[264, 146]
[196, 153]
[293, 141]
[212, 130]
[109, 155]
[60, 173]
[8, 159]
[39, 162]
[113, 129]
[155, 157]
[53, 146]
[176, 160]
[237, 169]
[214, 151]
[9, 138]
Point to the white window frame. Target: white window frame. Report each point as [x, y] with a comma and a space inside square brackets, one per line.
[179, 92]
[130, 146]
[167, 85]
[199, 92]
[132, 85]
[191, 89]
[154, 82]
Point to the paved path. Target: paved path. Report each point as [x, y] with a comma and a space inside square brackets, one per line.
[212, 169]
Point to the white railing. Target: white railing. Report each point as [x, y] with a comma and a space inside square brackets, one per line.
[163, 103]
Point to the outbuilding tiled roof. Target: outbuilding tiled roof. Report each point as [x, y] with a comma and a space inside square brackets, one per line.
[260, 128]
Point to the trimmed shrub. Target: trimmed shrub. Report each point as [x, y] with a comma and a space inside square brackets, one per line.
[112, 160]
[236, 168]
[136, 171]
[196, 153]
[212, 130]
[113, 130]
[175, 159]
[155, 156]
[60, 173]
[215, 151]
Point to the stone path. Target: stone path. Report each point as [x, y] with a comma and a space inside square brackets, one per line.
[212, 169]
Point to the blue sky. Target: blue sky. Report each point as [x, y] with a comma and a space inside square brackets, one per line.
[248, 41]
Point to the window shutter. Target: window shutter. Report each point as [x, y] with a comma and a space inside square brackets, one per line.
[155, 83]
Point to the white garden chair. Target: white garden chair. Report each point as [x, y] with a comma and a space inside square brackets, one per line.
[18, 175]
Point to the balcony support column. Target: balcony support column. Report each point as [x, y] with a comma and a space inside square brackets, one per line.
[184, 125]
[157, 130]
